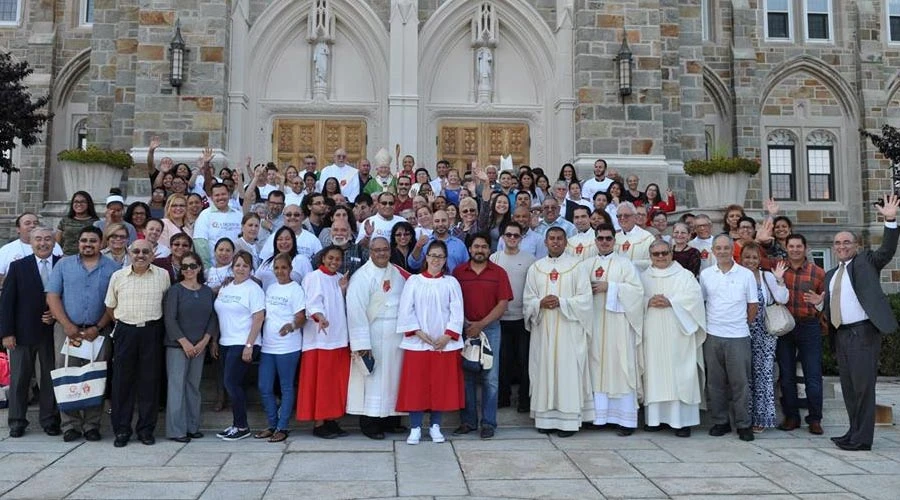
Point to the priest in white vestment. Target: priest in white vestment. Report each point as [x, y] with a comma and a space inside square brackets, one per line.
[633, 242]
[347, 176]
[674, 331]
[581, 244]
[373, 300]
[613, 357]
[557, 307]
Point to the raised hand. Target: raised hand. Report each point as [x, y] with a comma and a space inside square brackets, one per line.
[780, 269]
[764, 231]
[369, 228]
[888, 209]
[207, 156]
[771, 206]
[669, 193]
[154, 142]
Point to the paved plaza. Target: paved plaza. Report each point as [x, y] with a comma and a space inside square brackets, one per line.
[517, 463]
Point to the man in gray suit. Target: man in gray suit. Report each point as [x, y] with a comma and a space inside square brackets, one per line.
[859, 314]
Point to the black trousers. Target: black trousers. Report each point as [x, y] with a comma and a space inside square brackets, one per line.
[136, 375]
[858, 347]
[21, 370]
[515, 340]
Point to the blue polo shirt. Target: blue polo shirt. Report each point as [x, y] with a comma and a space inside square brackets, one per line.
[457, 253]
[82, 291]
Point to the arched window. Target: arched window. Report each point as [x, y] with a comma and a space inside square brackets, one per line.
[820, 165]
[782, 165]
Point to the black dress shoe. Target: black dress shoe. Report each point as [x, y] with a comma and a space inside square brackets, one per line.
[148, 440]
[853, 447]
[92, 435]
[335, 428]
[546, 431]
[684, 432]
[324, 432]
[195, 435]
[523, 409]
[746, 434]
[720, 430]
[16, 432]
[565, 434]
[182, 439]
[840, 439]
[624, 431]
[71, 435]
[652, 428]
[121, 440]
[53, 430]
[462, 429]
[487, 432]
[374, 435]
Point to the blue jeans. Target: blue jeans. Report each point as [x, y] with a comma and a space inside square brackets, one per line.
[804, 342]
[490, 385]
[417, 417]
[285, 366]
[235, 377]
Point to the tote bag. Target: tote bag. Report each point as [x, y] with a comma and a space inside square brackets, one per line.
[79, 388]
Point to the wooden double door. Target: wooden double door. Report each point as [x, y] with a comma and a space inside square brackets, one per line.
[293, 139]
[461, 142]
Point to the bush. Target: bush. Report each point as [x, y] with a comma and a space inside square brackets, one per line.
[93, 154]
[721, 165]
[888, 363]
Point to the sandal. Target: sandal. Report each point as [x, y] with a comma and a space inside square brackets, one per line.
[758, 429]
[264, 434]
[278, 437]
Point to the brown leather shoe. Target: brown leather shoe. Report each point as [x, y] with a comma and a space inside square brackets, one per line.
[816, 428]
[789, 424]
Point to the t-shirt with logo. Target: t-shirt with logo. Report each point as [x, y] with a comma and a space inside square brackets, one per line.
[282, 303]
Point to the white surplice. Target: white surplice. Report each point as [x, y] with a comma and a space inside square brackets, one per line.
[673, 341]
[635, 246]
[582, 246]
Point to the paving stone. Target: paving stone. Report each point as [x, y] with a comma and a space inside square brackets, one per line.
[7, 485]
[56, 481]
[724, 449]
[646, 456]
[135, 454]
[517, 465]
[156, 491]
[829, 496]
[851, 456]
[28, 445]
[250, 466]
[24, 465]
[331, 490]
[874, 487]
[734, 497]
[216, 445]
[794, 478]
[817, 461]
[771, 444]
[724, 469]
[193, 458]
[414, 464]
[236, 490]
[506, 445]
[343, 466]
[723, 486]
[602, 464]
[627, 488]
[155, 474]
[879, 466]
[349, 443]
[593, 440]
[535, 488]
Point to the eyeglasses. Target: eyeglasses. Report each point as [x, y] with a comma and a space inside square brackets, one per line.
[660, 254]
[605, 238]
[387, 203]
[141, 251]
[86, 240]
[79, 202]
[512, 235]
[292, 214]
[467, 211]
[190, 267]
[118, 236]
[433, 256]
[624, 216]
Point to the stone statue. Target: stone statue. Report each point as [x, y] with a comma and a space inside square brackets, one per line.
[484, 64]
[320, 62]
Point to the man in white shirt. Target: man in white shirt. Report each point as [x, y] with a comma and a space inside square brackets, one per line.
[20, 248]
[731, 298]
[271, 181]
[218, 221]
[346, 175]
[600, 182]
[437, 184]
[703, 241]
[380, 224]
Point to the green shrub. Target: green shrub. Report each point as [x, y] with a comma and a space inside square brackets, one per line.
[721, 165]
[93, 154]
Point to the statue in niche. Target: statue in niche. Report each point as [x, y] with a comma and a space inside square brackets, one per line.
[484, 65]
[320, 63]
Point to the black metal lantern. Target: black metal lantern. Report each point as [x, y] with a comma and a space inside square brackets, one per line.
[623, 61]
[176, 58]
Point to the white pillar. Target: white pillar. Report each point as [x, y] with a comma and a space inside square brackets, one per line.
[239, 140]
[403, 99]
[564, 107]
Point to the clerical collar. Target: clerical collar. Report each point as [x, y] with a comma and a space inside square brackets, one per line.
[429, 275]
[326, 270]
[606, 255]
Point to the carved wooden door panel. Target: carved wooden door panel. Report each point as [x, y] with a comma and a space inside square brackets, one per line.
[293, 139]
[461, 142]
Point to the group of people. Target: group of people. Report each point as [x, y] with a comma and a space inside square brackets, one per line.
[358, 293]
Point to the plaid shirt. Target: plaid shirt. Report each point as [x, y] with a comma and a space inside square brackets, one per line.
[807, 277]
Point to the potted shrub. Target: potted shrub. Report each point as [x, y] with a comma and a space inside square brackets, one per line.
[721, 181]
[93, 170]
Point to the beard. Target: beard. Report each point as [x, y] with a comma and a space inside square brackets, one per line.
[340, 240]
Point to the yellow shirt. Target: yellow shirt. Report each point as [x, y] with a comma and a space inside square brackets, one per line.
[137, 298]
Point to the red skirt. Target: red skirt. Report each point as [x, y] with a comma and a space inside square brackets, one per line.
[431, 380]
[324, 375]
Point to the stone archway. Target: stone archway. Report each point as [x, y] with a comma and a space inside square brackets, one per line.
[69, 101]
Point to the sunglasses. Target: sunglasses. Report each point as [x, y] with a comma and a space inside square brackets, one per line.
[190, 267]
[141, 251]
[387, 203]
[605, 238]
[512, 235]
[468, 211]
[660, 254]
[291, 214]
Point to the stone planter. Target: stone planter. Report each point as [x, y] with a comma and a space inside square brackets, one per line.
[717, 191]
[95, 178]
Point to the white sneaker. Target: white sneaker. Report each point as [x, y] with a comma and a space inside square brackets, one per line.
[415, 435]
[435, 433]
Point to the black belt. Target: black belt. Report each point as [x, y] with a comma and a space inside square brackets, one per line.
[853, 325]
[85, 326]
[141, 325]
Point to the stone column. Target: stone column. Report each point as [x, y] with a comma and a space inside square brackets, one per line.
[564, 107]
[403, 99]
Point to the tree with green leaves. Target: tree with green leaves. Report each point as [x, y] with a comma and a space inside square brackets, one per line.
[21, 116]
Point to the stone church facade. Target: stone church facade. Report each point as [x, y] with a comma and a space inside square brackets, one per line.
[789, 82]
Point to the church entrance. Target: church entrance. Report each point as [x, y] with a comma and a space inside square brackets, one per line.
[293, 139]
[461, 142]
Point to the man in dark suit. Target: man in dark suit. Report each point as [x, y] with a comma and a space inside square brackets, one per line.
[859, 314]
[28, 333]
